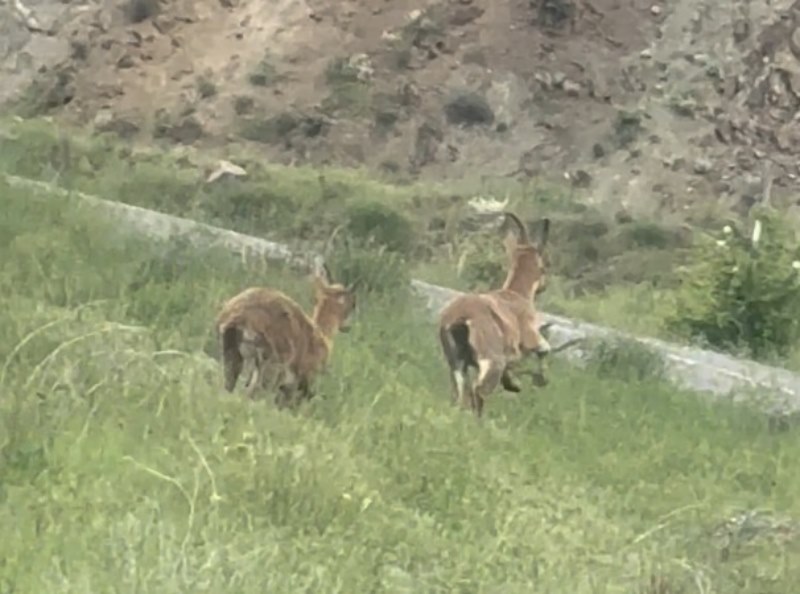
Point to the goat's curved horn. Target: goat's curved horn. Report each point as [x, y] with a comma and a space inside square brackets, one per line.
[327, 272]
[522, 230]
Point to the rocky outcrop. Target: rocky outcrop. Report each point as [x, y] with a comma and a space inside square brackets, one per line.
[661, 107]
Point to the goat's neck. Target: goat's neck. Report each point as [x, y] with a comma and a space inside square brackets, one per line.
[524, 276]
[521, 284]
[326, 321]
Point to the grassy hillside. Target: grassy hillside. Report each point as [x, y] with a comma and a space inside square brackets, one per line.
[604, 270]
[125, 468]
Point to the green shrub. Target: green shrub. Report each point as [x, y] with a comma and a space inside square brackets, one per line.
[738, 295]
[341, 70]
[373, 267]
[484, 265]
[373, 221]
[206, 87]
[627, 127]
[468, 108]
[265, 74]
[138, 11]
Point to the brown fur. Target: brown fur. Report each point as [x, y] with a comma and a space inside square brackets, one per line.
[286, 347]
[494, 330]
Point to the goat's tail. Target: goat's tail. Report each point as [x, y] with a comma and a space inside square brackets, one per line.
[232, 360]
[456, 346]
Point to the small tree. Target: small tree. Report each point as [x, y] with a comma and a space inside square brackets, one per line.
[742, 292]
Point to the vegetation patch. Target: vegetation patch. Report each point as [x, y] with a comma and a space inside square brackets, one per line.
[627, 128]
[375, 222]
[742, 290]
[50, 90]
[469, 109]
[594, 483]
[206, 88]
[423, 35]
[138, 11]
[554, 14]
[622, 275]
[265, 73]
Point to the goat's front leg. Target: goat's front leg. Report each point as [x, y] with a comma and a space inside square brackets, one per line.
[539, 377]
[533, 343]
[509, 382]
[285, 395]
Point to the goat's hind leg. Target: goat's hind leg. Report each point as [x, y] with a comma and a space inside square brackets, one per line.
[489, 376]
[255, 381]
[284, 395]
[232, 363]
[461, 385]
[287, 388]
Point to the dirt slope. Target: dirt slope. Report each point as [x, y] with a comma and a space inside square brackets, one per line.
[652, 106]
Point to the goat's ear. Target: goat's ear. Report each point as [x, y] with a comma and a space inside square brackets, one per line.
[542, 232]
[319, 282]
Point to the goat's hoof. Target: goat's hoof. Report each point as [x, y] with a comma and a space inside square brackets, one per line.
[539, 379]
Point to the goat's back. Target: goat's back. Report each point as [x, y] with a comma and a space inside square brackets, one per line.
[493, 322]
[275, 324]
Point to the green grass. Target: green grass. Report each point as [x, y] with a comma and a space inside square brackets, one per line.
[124, 467]
[272, 200]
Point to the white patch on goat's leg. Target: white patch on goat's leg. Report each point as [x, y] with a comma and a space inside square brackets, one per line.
[255, 380]
[489, 374]
[459, 381]
[544, 346]
[484, 367]
[251, 378]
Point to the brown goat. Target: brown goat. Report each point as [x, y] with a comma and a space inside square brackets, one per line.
[287, 348]
[494, 330]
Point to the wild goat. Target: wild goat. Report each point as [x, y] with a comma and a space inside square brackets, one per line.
[492, 331]
[286, 347]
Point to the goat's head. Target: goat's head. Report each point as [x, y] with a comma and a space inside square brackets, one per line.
[334, 303]
[528, 261]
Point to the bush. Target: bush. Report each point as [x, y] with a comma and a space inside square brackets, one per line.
[376, 270]
[373, 221]
[484, 265]
[554, 13]
[741, 295]
[206, 87]
[469, 109]
[627, 128]
[264, 74]
[138, 11]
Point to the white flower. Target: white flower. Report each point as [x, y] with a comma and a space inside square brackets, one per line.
[796, 264]
[721, 243]
[735, 269]
[727, 230]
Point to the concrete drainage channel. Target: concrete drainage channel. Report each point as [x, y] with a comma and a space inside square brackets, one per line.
[715, 374]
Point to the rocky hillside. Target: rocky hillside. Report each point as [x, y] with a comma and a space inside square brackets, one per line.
[678, 107]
